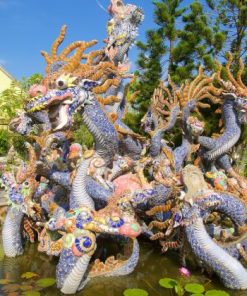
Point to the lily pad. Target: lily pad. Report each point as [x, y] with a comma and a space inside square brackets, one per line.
[13, 294]
[194, 288]
[135, 292]
[31, 293]
[216, 293]
[29, 275]
[11, 288]
[168, 283]
[46, 282]
[197, 295]
[5, 281]
[26, 287]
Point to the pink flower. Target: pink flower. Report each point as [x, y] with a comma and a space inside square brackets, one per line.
[184, 272]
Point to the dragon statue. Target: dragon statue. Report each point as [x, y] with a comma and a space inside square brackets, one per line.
[73, 201]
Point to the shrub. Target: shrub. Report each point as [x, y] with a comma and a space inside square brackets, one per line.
[18, 142]
[5, 138]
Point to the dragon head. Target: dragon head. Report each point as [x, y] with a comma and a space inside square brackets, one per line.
[63, 101]
[234, 88]
[116, 7]
[122, 29]
[70, 84]
[195, 126]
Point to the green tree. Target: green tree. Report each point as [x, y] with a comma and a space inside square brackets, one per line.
[168, 17]
[14, 97]
[200, 43]
[232, 15]
[156, 52]
[150, 69]
[11, 100]
[81, 134]
[4, 141]
[27, 82]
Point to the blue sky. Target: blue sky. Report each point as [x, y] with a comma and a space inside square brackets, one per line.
[29, 26]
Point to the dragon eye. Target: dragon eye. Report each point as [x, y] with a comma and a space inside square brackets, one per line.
[61, 83]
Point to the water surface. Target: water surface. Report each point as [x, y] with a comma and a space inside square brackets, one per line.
[151, 267]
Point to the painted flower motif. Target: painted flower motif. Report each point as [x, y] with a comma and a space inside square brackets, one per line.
[70, 225]
[131, 230]
[60, 223]
[116, 222]
[184, 271]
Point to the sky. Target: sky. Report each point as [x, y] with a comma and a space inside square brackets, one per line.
[29, 26]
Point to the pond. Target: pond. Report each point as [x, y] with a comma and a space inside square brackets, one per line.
[152, 266]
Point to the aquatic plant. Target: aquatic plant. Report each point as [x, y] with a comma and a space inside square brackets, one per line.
[31, 284]
[194, 289]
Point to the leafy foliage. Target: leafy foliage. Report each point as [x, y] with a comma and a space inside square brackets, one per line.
[230, 17]
[29, 275]
[81, 134]
[194, 288]
[31, 293]
[27, 82]
[18, 142]
[7, 139]
[149, 63]
[13, 98]
[135, 292]
[156, 51]
[168, 283]
[185, 38]
[216, 293]
[5, 281]
[178, 288]
[133, 120]
[199, 43]
[4, 142]
[46, 282]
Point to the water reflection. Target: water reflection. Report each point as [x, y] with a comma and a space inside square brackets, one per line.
[152, 266]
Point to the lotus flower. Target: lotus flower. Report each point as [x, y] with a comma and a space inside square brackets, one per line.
[184, 271]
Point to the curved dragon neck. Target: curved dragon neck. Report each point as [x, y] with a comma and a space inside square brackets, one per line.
[12, 242]
[103, 131]
[231, 134]
[190, 106]
[79, 196]
[180, 153]
[156, 143]
[231, 271]
[232, 125]
[230, 115]
[71, 273]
